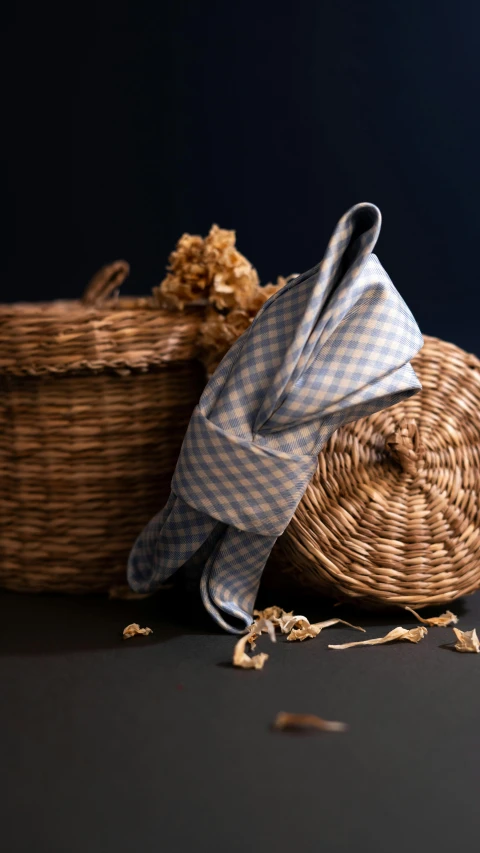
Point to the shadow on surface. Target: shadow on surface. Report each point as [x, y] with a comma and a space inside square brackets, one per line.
[53, 624]
[448, 647]
[317, 608]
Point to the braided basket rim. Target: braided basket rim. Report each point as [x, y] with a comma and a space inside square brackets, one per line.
[65, 336]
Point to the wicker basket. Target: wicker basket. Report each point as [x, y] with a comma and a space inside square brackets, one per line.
[392, 515]
[95, 398]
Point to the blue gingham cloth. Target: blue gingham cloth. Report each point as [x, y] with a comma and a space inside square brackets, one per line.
[331, 346]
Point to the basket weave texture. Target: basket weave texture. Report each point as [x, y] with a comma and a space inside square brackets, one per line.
[95, 399]
[392, 515]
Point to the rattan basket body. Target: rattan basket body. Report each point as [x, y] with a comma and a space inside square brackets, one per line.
[392, 515]
[95, 399]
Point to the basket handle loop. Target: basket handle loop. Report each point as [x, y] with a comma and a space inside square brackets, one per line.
[405, 446]
[105, 282]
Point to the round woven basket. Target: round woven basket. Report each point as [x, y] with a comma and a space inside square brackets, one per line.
[95, 399]
[392, 515]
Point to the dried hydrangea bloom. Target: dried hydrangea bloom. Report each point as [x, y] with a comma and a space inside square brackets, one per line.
[188, 259]
[188, 276]
[218, 333]
[261, 294]
[233, 279]
[212, 271]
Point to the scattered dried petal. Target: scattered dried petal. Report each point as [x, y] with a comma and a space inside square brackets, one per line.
[414, 635]
[442, 621]
[284, 721]
[288, 622]
[330, 622]
[263, 626]
[467, 641]
[304, 631]
[241, 659]
[274, 614]
[284, 618]
[134, 629]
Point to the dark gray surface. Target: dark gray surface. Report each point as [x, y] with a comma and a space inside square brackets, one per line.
[157, 744]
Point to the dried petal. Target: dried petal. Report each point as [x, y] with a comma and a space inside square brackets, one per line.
[289, 621]
[330, 622]
[307, 630]
[442, 621]
[284, 618]
[265, 626]
[303, 633]
[241, 659]
[284, 721]
[134, 629]
[467, 641]
[414, 635]
[273, 613]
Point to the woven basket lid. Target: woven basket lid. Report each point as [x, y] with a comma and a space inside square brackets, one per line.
[392, 514]
[101, 331]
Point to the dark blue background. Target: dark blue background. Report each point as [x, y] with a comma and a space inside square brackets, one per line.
[125, 130]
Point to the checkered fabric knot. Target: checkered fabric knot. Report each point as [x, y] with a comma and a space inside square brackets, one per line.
[332, 346]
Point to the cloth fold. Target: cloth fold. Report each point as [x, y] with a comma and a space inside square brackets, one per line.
[333, 345]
